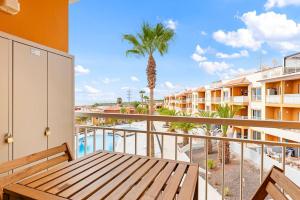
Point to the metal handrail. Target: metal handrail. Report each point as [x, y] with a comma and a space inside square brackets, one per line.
[221, 121]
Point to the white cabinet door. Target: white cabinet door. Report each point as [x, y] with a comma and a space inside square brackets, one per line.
[29, 100]
[4, 99]
[60, 100]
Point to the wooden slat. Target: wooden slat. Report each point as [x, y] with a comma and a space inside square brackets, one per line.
[190, 183]
[159, 182]
[274, 192]
[12, 178]
[122, 189]
[77, 193]
[45, 184]
[288, 186]
[20, 190]
[31, 158]
[108, 188]
[68, 166]
[76, 183]
[173, 184]
[148, 178]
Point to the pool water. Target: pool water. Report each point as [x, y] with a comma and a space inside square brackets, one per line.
[99, 143]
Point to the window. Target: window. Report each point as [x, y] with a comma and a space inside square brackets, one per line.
[256, 94]
[256, 114]
[256, 135]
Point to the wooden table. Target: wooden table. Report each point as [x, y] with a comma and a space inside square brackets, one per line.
[106, 175]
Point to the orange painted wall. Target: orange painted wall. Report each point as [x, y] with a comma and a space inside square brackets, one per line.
[41, 21]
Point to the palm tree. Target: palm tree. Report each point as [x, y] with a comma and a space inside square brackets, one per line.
[208, 127]
[151, 39]
[185, 127]
[142, 92]
[225, 111]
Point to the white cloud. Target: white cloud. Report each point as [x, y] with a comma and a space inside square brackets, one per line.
[198, 54]
[80, 70]
[134, 78]
[230, 73]
[110, 80]
[171, 24]
[203, 33]
[240, 38]
[213, 67]
[274, 29]
[242, 53]
[281, 3]
[169, 85]
[90, 89]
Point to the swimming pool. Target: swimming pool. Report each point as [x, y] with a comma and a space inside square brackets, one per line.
[99, 142]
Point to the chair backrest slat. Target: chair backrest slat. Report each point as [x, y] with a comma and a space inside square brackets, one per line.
[55, 155]
[10, 165]
[274, 184]
[21, 174]
[286, 184]
[274, 192]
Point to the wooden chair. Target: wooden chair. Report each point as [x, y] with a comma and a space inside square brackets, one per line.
[55, 156]
[273, 185]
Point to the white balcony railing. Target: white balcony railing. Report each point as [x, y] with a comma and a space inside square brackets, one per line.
[201, 100]
[291, 98]
[168, 145]
[215, 99]
[273, 98]
[240, 99]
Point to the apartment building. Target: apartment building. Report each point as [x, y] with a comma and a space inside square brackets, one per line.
[267, 94]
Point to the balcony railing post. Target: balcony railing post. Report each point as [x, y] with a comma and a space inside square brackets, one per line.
[148, 138]
[223, 168]
[85, 141]
[94, 140]
[262, 164]
[206, 170]
[77, 141]
[241, 170]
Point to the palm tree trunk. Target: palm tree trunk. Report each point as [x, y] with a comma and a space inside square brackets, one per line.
[209, 144]
[226, 152]
[185, 139]
[151, 76]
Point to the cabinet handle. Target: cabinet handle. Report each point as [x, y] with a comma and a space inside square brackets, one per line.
[47, 131]
[8, 138]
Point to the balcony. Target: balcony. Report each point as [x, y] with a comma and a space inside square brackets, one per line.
[201, 100]
[273, 99]
[240, 99]
[256, 98]
[291, 99]
[135, 139]
[216, 100]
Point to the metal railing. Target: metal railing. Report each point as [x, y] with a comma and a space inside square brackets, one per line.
[86, 131]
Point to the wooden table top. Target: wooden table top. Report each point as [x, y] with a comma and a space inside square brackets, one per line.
[107, 175]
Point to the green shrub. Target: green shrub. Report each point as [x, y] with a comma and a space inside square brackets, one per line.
[211, 164]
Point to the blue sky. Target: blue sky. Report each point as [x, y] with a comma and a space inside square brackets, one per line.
[214, 40]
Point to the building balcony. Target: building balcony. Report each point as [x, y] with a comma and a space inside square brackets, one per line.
[291, 99]
[256, 98]
[201, 100]
[215, 99]
[240, 99]
[273, 99]
[240, 117]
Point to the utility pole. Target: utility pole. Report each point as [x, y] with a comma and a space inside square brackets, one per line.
[128, 95]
